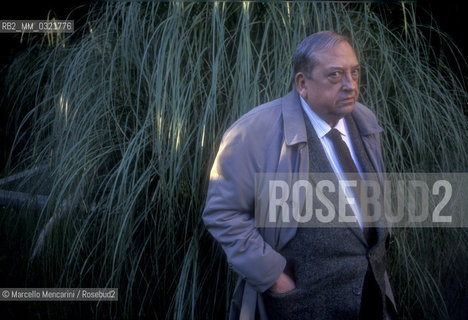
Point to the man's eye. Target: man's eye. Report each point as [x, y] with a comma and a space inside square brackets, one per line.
[335, 74]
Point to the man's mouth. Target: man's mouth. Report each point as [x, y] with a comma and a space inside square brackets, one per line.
[347, 100]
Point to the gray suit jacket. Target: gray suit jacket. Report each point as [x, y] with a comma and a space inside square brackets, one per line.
[270, 138]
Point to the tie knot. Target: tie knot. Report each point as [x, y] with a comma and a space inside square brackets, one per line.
[334, 135]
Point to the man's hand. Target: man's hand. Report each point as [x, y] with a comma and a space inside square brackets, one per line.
[283, 284]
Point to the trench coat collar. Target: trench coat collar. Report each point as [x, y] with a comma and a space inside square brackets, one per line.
[293, 119]
[365, 120]
[294, 125]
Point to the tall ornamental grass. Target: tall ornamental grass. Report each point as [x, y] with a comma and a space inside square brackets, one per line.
[122, 123]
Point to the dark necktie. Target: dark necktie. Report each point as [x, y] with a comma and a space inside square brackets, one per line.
[348, 166]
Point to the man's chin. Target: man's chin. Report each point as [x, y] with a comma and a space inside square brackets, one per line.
[345, 108]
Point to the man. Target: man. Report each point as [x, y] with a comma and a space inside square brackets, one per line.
[290, 272]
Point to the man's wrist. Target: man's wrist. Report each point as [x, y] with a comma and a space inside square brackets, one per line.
[283, 284]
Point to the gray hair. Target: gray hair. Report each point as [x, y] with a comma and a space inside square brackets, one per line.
[305, 57]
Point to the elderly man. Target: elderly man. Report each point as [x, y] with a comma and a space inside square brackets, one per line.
[291, 272]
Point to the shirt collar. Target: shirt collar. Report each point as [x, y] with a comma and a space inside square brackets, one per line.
[321, 127]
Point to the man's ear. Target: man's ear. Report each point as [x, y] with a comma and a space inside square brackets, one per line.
[301, 86]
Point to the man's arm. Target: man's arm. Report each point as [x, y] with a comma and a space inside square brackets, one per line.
[229, 213]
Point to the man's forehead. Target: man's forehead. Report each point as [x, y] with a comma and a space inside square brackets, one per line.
[337, 56]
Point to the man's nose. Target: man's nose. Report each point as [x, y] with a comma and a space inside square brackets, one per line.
[349, 83]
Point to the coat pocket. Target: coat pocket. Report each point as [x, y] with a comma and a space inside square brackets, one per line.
[283, 305]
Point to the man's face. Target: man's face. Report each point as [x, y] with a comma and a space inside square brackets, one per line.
[333, 87]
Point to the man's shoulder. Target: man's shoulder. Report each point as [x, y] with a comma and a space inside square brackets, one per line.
[365, 119]
[261, 119]
[263, 112]
[364, 110]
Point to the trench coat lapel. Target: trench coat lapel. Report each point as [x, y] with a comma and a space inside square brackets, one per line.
[362, 134]
[295, 131]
